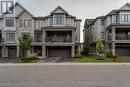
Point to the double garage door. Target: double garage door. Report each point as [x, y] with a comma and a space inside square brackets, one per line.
[64, 52]
[123, 51]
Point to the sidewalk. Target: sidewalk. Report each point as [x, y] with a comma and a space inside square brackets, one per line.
[62, 64]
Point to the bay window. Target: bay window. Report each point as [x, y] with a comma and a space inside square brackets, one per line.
[59, 19]
[125, 17]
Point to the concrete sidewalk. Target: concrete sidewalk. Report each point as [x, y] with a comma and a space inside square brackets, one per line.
[60, 64]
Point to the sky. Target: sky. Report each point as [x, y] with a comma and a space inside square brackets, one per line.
[82, 9]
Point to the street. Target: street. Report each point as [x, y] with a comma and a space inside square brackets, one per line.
[65, 75]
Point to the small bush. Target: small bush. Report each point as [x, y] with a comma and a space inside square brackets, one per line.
[29, 59]
[109, 54]
[78, 56]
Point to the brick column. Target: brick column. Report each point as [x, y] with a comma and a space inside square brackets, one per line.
[43, 51]
[44, 36]
[73, 36]
[18, 51]
[43, 45]
[4, 52]
[73, 51]
[113, 40]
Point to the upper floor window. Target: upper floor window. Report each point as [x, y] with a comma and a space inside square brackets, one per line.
[67, 21]
[102, 22]
[9, 22]
[10, 36]
[59, 19]
[51, 21]
[125, 17]
[25, 23]
[39, 23]
[21, 23]
[29, 22]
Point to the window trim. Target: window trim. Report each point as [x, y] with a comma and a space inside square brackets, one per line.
[8, 36]
[9, 19]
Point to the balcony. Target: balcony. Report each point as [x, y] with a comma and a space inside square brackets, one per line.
[58, 39]
[123, 37]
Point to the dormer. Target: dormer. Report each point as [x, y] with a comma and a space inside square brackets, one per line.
[125, 13]
[59, 16]
[125, 7]
[59, 10]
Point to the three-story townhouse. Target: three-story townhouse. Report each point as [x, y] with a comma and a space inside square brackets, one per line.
[115, 30]
[55, 35]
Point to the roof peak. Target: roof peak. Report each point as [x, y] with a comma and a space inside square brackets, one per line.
[59, 9]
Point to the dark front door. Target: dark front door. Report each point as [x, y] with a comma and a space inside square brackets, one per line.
[12, 52]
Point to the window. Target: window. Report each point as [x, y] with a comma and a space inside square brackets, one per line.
[21, 23]
[129, 17]
[9, 22]
[10, 36]
[5, 6]
[29, 22]
[67, 22]
[102, 22]
[25, 22]
[60, 20]
[51, 21]
[125, 17]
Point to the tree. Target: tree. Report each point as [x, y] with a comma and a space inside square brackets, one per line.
[99, 46]
[25, 43]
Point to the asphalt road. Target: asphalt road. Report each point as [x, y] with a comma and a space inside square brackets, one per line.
[65, 75]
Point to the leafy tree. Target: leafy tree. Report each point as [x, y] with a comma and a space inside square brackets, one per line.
[25, 43]
[99, 46]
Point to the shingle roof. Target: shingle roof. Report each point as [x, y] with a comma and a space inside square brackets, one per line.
[112, 12]
[88, 22]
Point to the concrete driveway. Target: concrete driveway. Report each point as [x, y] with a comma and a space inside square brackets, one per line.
[64, 75]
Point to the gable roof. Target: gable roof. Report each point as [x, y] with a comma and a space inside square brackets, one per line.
[124, 6]
[61, 10]
[23, 10]
[88, 22]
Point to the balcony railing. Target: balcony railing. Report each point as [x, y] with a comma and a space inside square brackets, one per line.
[123, 37]
[58, 39]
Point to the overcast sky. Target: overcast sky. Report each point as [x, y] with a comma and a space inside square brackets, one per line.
[82, 9]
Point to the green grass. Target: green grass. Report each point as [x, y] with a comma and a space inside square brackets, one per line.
[86, 59]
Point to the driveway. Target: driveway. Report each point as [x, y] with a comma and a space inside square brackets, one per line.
[64, 75]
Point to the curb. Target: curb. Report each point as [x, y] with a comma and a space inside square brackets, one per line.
[60, 64]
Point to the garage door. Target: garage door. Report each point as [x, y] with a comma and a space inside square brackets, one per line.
[59, 52]
[12, 52]
[123, 51]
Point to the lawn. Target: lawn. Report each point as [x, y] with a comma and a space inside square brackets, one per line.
[85, 59]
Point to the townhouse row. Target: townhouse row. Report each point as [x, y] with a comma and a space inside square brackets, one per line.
[54, 35]
[113, 29]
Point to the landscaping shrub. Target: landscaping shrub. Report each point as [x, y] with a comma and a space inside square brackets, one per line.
[78, 56]
[109, 54]
[29, 59]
